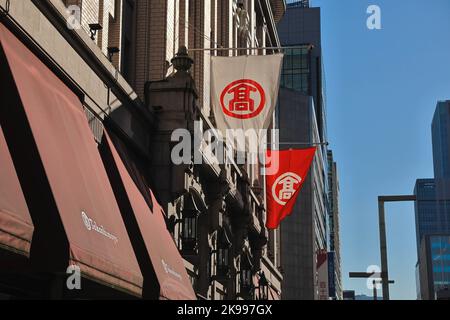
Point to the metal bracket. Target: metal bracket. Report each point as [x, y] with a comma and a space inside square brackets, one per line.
[4, 11]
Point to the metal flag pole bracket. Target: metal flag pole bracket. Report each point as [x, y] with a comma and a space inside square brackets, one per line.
[301, 143]
[4, 11]
[302, 46]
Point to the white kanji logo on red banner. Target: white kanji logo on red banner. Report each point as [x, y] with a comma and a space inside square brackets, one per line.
[285, 186]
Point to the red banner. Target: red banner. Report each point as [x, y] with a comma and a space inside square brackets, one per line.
[284, 185]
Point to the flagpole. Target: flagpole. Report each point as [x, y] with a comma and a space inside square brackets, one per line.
[303, 143]
[304, 46]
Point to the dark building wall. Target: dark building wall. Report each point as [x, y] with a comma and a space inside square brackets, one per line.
[333, 223]
[440, 129]
[426, 209]
[294, 117]
[297, 258]
[423, 271]
[297, 235]
[301, 26]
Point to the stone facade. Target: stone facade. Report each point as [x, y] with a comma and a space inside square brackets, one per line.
[142, 93]
[233, 213]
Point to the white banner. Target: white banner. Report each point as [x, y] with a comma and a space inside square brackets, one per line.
[244, 92]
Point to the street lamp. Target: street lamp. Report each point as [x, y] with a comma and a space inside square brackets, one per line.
[222, 261]
[246, 279]
[246, 275]
[111, 52]
[263, 287]
[189, 225]
[374, 281]
[382, 229]
[222, 255]
[93, 28]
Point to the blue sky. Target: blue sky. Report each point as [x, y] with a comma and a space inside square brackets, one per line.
[382, 89]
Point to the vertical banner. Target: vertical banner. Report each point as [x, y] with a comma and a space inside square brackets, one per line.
[331, 275]
[322, 274]
[284, 185]
[244, 91]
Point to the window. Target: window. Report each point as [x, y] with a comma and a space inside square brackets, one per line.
[128, 26]
[296, 70]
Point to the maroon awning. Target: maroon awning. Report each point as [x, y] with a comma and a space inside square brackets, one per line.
[77, 219]
[154, 246]
[16, 227]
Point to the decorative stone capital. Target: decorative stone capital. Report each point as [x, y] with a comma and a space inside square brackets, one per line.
[182, 62]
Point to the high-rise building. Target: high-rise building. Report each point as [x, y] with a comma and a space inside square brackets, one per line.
[432, 209]
[434, 271]
[303, 68]
[440, 129]
[334, 246]
[301, 119]
[426, 210]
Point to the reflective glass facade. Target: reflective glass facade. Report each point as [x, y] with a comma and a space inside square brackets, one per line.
[298, 3]
[434, 265]
[440, 257]
[432, 209]
[296, 72]
[426, 208]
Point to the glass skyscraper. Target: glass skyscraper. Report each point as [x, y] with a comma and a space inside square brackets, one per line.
[440, 130]
[301, 118]
[426, 209]
[434, 272]
[432, 210]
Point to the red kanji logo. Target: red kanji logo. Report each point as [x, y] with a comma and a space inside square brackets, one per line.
[239, 98]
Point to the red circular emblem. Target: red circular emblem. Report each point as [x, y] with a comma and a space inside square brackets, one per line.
[243, 99]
